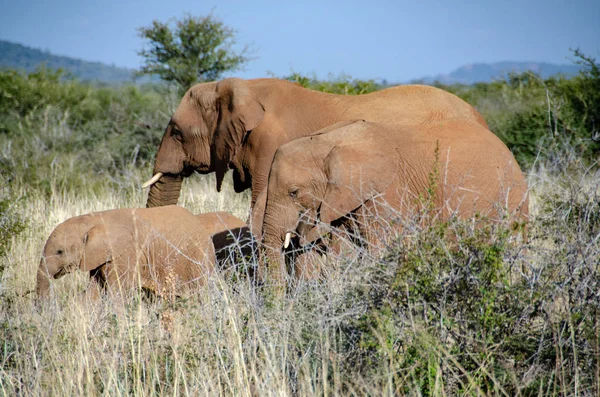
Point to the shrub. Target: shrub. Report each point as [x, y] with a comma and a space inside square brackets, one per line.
[343, 84]
[12, 224]
[448, 287]
[55, 130]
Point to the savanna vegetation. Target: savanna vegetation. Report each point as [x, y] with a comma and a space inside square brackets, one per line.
[448, 309]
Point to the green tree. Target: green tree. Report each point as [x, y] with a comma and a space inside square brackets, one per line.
[191, 50]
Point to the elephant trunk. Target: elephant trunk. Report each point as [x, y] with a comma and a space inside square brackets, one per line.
[44, 274]
[165, 191]
[279, 239]
[314, 233]
[272, 266]
[257, 215]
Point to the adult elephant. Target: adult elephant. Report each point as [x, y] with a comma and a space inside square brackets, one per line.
[239, 124]
[164, 250]
[363, 177]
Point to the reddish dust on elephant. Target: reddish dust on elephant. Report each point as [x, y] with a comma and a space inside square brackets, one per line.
[239, 124]
[376, 173]
[165, 250]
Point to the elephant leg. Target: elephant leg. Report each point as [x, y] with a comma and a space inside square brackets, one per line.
[271, 272]
[120, 279]
[94, 290]
[235, 247]
[308, 266]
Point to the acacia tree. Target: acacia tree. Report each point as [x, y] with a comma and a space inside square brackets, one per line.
[191, 50]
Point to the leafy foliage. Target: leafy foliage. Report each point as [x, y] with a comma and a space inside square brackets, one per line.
[11, 225]
[57, 129]
[196, 49]
[452, 283]
[343, 85]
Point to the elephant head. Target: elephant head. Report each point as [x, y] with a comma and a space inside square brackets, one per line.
[317, 180]
[77, 243]
[204, 135]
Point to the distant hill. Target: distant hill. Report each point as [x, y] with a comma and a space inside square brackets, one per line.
[486, 72]
[20, 57]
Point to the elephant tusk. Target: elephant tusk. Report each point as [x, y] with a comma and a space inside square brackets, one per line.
[152, 180]
[286, 243]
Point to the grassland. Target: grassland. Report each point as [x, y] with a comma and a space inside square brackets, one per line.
[494, 315]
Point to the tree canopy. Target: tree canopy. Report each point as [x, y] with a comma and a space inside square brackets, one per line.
[190, 50]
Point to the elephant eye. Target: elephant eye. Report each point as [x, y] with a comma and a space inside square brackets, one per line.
[59, 252]
[176, 133]
[294, 193]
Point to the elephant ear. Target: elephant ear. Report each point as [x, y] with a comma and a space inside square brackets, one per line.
[240, 112]
[355, 173]
[96, 249]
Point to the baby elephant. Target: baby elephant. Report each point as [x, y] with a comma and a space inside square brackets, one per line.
[167, 250]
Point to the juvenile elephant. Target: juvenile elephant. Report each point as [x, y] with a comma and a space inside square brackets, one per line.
[239, 124]
[166, 250]
[358, 175]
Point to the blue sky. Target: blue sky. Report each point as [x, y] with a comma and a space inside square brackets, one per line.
[394, 40]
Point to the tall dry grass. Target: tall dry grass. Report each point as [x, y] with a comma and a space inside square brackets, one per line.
[367, 327]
